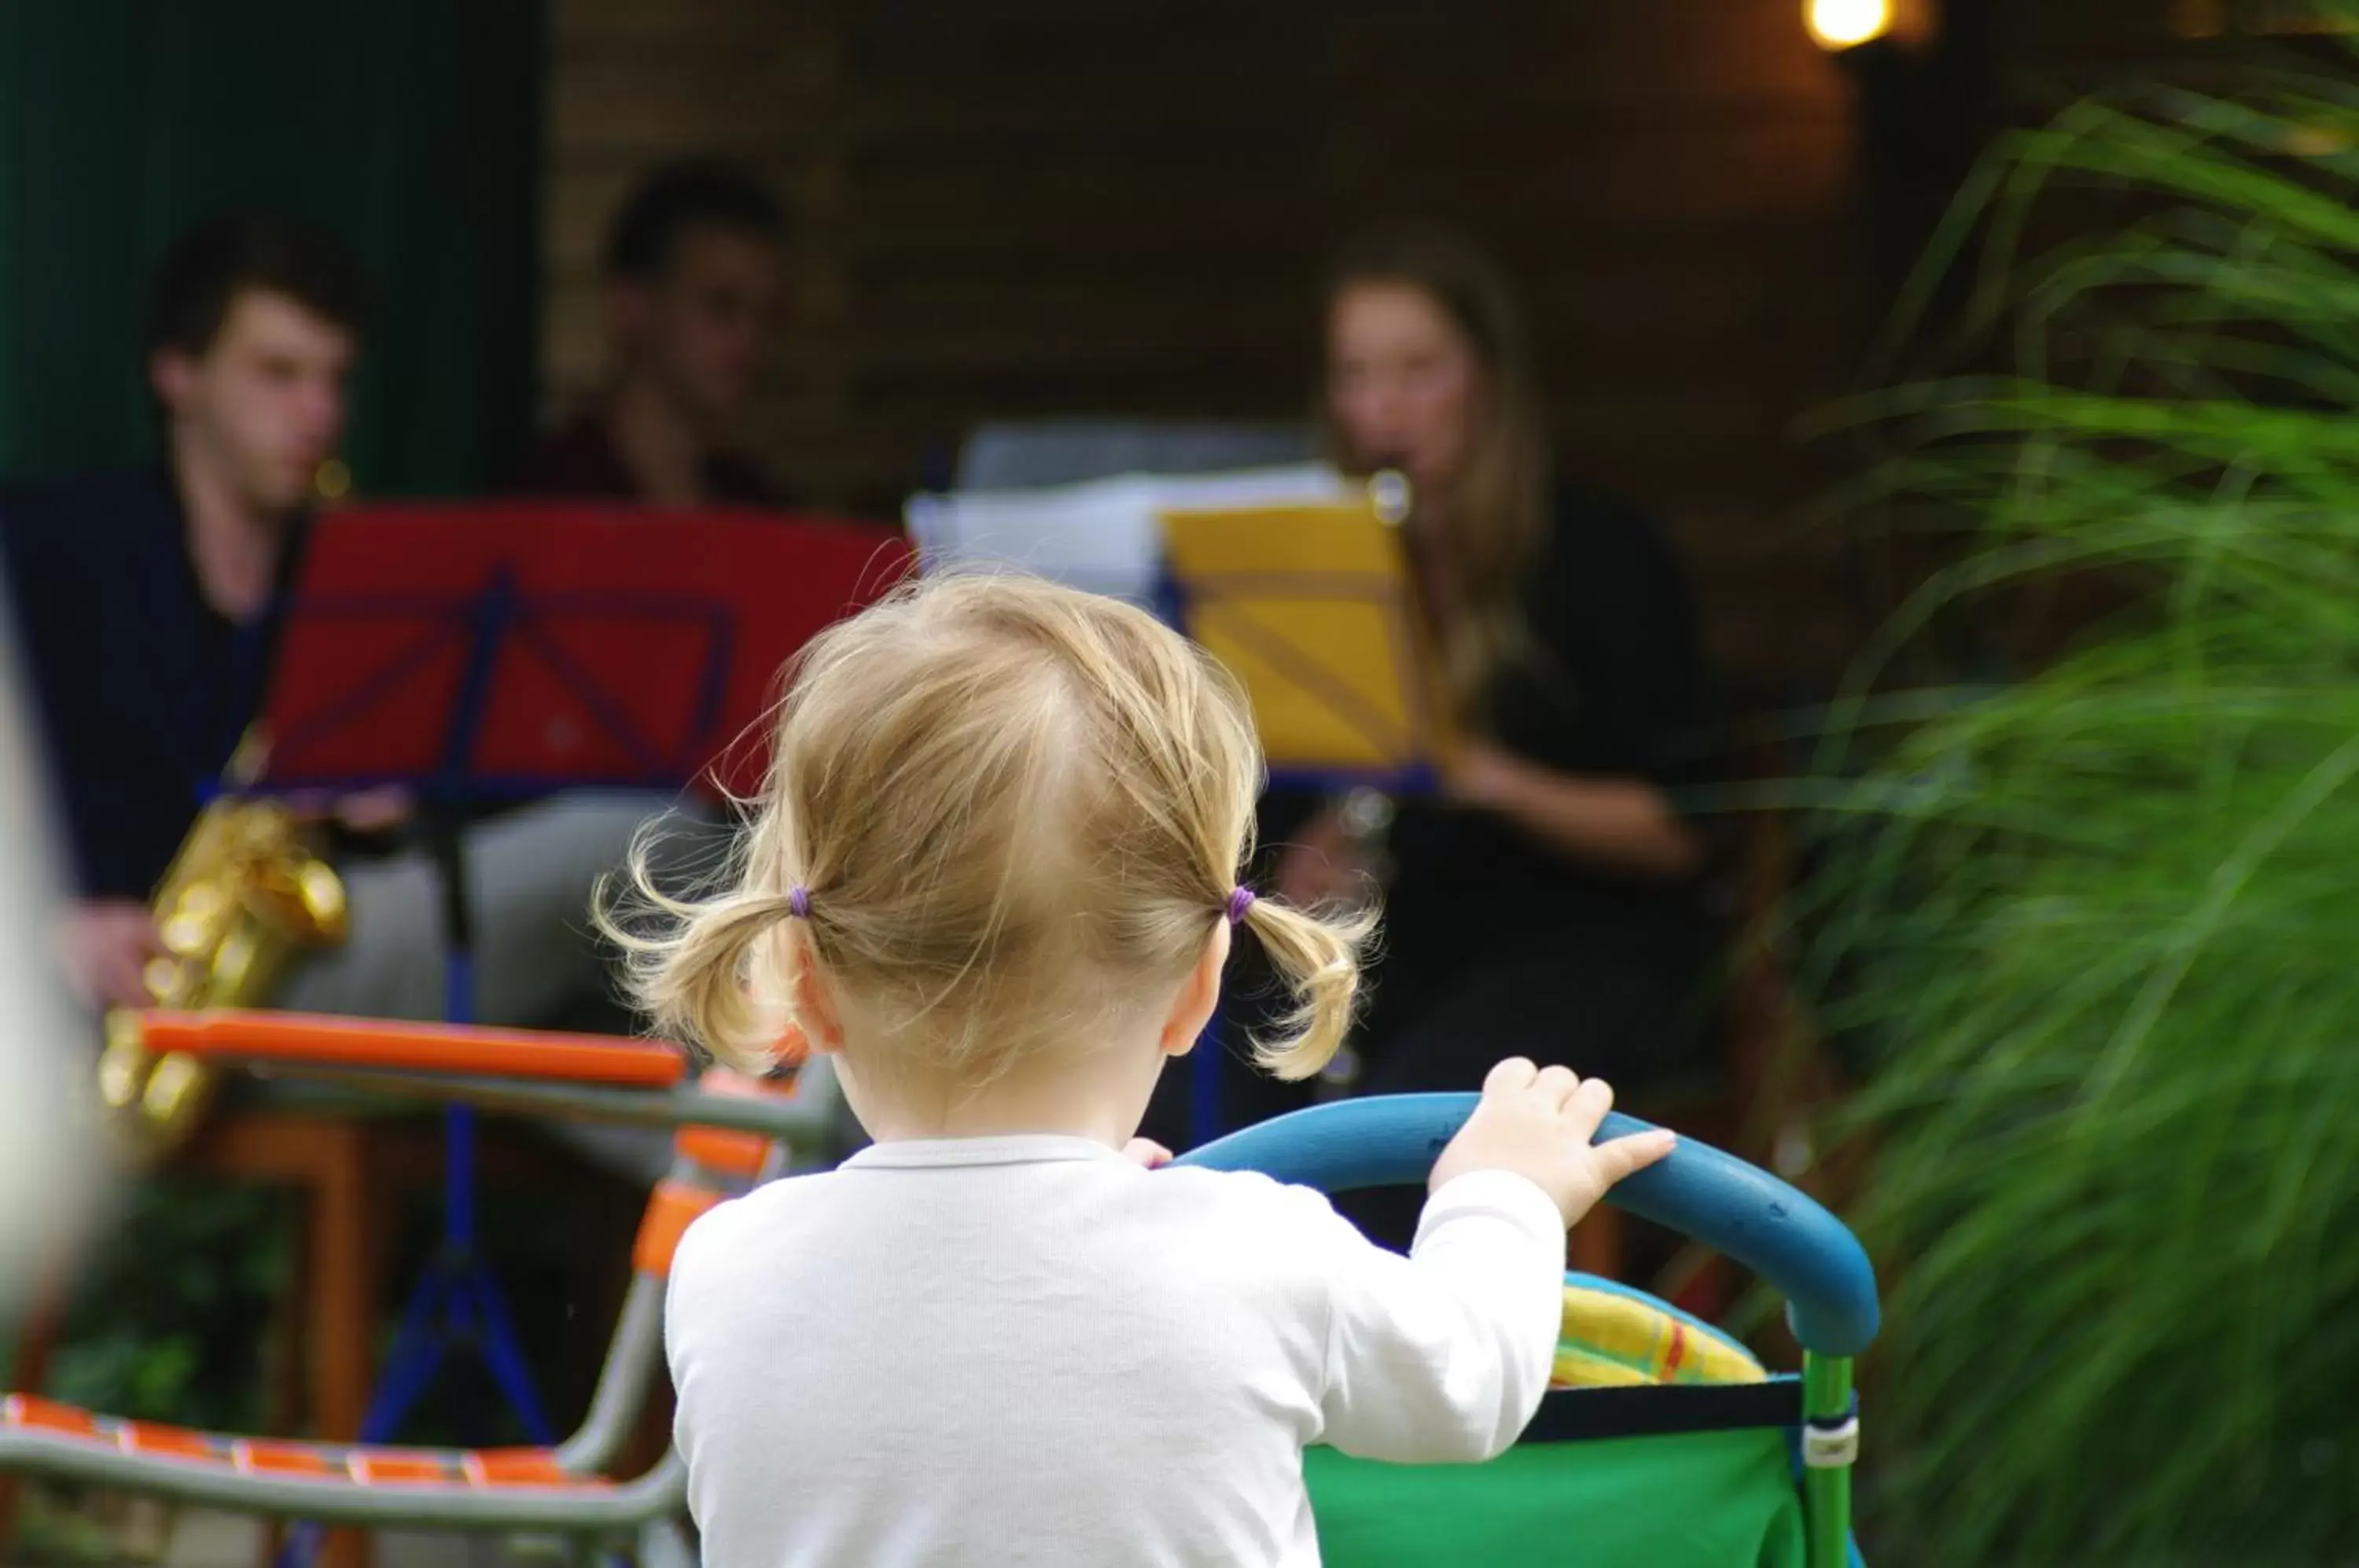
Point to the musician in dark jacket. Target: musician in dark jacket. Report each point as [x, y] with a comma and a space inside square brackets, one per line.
[146, 607]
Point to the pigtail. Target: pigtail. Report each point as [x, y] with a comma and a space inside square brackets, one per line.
[1317, 957]
[691, 966]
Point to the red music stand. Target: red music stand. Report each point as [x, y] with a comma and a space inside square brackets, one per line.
[511, 649]
[483, 651]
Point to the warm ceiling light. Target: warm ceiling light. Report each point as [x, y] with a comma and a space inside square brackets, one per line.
[1845, 24]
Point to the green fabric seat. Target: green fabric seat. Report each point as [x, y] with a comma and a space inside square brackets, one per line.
[1711, 1500]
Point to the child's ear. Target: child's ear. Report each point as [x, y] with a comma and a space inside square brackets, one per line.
[1191, 1010]
[810, 1003]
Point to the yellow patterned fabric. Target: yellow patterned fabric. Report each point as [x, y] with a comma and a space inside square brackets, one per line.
[1617, 1338]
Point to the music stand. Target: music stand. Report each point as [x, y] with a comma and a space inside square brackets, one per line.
[1313, 609]
[1312, 605]
[480, 653]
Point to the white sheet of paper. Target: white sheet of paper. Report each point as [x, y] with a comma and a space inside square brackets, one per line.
[1105, 536]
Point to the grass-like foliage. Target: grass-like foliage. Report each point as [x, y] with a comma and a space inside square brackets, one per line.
[2099, 921]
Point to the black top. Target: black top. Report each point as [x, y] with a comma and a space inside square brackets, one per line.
[1614, 689]
[579, 460]
[142, 688]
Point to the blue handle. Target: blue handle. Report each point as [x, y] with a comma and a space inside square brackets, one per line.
[1744, 1214]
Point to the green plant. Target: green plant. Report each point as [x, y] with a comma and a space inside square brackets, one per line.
[2098, 923]
[170, 1313]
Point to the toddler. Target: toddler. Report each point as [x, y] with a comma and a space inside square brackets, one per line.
[994, 876]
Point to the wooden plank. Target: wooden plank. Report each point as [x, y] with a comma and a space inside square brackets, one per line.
[758, 98]
[935, 222]
[1161, 232]
[763, 97]
[968, 44]
[1615, 339]
[1253, 140]
[1722, 467]
[1785, 172]
[1694, 410]
[1214, 388]
[965, 17]
[2085, 28]
[1614, 52]
[789, 403]
[652, 23]
[1725, 187]
[1772, 171]
[975, 113]
[1039, 326]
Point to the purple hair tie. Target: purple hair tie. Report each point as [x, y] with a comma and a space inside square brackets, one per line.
[1239, 903]
[799, 902]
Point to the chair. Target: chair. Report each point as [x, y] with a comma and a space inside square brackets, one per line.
[732, 1134]
[346, 1162]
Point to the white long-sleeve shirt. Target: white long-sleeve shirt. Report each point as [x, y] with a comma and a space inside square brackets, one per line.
[1028, 1350]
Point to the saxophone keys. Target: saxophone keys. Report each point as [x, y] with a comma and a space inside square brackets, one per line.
[164, 976]
[123, 1065]
[171, 1088]
[189, 927]
[322, 893]
[184, 935]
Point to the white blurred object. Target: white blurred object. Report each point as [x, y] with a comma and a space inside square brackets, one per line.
[48, 1043]
[1104, 535]
[1024, 454]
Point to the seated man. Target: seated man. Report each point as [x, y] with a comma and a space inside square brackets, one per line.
[692, 294]
[146, 605]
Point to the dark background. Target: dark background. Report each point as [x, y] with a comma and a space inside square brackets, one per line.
[1015, 208]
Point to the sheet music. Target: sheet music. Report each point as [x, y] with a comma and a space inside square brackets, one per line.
[1105, 534]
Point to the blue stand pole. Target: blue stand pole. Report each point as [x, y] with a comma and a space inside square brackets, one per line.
[456, 1304]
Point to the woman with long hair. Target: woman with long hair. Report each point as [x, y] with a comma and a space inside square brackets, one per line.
[1547, 903]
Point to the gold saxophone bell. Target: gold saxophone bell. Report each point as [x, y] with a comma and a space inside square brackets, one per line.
[247, 892]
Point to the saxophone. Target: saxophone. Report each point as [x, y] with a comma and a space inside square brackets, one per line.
[245, 893]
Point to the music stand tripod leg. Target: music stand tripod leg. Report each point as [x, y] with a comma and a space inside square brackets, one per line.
[455, 1300]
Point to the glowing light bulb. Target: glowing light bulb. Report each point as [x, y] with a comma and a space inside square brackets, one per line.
[1845, 24]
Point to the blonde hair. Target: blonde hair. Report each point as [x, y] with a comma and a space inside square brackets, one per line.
[1009, 808]
[1497, 512]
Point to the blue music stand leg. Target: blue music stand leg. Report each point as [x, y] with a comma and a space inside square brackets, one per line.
[473, 1308]
[504, 1355]
[410, 1366]
[456, 1301]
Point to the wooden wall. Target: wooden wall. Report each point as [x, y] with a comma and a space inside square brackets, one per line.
[1025, 207]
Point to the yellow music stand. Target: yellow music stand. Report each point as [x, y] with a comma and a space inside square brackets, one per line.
[1313, 609]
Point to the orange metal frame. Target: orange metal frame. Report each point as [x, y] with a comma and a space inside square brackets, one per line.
[258, 1036]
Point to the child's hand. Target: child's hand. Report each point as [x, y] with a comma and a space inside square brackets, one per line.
[1538, 1122]
[1148, 1153]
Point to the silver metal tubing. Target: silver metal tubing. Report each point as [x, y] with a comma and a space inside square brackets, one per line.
[337, 1499]
[633, 1360]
